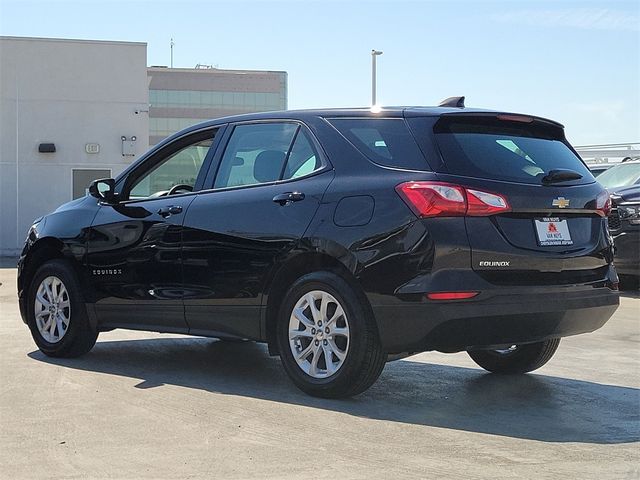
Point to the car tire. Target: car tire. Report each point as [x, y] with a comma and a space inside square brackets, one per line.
[517, 359]
[56, 312]
[348, 337]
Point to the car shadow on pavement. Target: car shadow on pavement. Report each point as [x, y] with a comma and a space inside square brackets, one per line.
[533, 406]
[630, 294]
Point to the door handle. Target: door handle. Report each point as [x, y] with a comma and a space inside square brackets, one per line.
[165, 212]
[288, 197]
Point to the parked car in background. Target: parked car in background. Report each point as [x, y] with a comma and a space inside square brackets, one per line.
[341, 238]
[598, 168]
[624, 225]
[621, 175]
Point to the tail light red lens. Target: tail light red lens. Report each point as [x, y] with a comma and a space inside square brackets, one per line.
[438, 199]
[481, 204]
[603, 203]
[432, 199]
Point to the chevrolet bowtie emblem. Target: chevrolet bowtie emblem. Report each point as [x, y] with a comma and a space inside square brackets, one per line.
[560, 202]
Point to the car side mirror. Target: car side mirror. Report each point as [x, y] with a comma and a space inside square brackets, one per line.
[103, 189]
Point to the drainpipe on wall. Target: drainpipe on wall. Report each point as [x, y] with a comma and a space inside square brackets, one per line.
[17, 164]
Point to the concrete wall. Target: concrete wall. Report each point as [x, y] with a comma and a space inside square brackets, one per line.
[70, 93]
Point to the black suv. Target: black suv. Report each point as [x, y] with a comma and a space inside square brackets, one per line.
[341, 238]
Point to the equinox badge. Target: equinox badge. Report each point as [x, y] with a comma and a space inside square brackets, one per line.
[560, 202]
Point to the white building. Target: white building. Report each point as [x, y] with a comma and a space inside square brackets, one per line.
[77, 97]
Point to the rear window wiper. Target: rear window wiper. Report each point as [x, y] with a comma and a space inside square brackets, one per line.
[560, 175]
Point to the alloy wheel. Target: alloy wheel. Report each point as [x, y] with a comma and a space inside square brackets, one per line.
[52, 309]
[319, 334]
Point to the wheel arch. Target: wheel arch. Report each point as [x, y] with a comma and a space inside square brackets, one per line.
[288, 273]
[41, 251]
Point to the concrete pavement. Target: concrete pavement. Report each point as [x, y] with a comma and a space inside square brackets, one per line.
[144, 405]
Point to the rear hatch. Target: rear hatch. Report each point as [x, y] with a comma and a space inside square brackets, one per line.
[553, 227]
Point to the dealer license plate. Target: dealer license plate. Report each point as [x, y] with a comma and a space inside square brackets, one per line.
[552, 231]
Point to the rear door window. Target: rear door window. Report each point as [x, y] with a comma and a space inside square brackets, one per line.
[303, 158]
[385, 141]
[486, 147]
[267, 153]
[256, 153]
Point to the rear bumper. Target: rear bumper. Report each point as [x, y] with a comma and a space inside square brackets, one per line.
[497, 317]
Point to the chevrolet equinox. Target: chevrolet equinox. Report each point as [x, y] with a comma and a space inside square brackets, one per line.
[342, 238]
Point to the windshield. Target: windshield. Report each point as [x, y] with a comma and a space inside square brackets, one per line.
[620, 176]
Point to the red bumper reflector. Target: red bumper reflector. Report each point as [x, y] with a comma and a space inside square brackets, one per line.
[451, 295]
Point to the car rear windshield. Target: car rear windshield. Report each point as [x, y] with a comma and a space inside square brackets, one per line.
[385, 141]
[488, 147]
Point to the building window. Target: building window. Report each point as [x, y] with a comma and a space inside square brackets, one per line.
[252, 101]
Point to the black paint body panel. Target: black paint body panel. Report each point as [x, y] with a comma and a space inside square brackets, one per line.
[141, 255]
[228, 259]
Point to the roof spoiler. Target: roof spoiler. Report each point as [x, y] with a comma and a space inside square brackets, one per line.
[457, 102]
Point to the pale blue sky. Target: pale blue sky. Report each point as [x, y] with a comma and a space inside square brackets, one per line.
[577, 62]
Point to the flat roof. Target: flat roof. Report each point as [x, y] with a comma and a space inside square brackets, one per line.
[158, 68]
[71, 40]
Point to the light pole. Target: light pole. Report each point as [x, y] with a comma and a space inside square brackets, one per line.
[374, 54]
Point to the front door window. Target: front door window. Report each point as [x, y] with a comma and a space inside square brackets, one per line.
[175, 174]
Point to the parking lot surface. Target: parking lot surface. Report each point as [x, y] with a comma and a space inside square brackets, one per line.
[145, 405]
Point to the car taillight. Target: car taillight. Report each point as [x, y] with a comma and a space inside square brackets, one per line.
[603, 203]
[432, 199]
[481, 204]
[439, 199]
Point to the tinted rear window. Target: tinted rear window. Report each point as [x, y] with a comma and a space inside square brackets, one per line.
[385, 141]
[485, 147]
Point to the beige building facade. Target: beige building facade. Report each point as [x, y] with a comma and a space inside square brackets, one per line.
[72, 111]
[65, 107]
[180, 97]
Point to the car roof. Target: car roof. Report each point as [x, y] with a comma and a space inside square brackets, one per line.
[363, 112]
[382, 112]
[309, 114]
